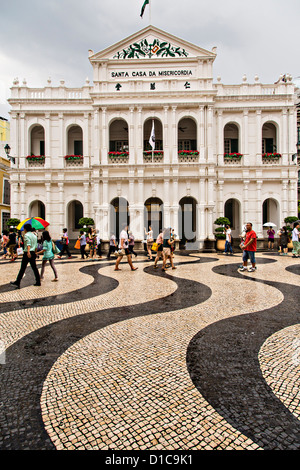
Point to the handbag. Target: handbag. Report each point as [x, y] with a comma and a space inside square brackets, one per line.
[55, 250]
[77, 245]
[155, 246]
[19, 251]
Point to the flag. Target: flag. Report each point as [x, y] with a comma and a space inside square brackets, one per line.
[152, 137]
[146, 2]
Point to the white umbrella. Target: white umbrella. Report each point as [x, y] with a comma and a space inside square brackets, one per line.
[269, 224]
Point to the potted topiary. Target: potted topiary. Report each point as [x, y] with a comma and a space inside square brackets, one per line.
[219, 232]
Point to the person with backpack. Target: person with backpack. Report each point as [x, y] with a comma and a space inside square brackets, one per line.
[11, 244]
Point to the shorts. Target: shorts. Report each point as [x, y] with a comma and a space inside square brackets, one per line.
[249, 254]
[167, 251]
[126, 250]
[149, 244]
[271, 240]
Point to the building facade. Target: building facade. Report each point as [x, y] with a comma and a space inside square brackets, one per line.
[219, 149]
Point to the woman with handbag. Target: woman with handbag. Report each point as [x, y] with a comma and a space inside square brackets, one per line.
[124, 249]
[48, 255]
[149, 237]
[160, 252]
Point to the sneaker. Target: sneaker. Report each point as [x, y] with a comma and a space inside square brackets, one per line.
[251, 270]
[15, 284]
[243, 269]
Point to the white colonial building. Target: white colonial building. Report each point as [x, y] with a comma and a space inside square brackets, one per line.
[220, 149]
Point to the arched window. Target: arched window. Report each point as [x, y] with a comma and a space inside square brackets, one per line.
[75, 141]
[187, 134]
[118, 136]
[269, 138]
[158, 134]
[37, 141]
[231, 138]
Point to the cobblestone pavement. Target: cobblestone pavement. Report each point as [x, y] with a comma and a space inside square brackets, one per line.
[198, 358]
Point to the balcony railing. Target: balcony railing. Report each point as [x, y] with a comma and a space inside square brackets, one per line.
[118, 157]
[35, 160]
[232, 158]
[156, 156]
[73, 160]
[188, 156]
[271, 158]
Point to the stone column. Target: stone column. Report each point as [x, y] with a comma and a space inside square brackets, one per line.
[104, 148]
[284, 199]
[202, 142]
[47, 141]
[245, 213]
[284, 137]
[62, 152]
[210, 156]
[86, 202]
[259, 137]
[174, 145]
[96, 136]
[166, 135]
[245, 146]
[131, 136]
[23, 141]
[220, 156]
[61, 212]
[140, 137]
[23, 201]
[86, 150]
[259, 230]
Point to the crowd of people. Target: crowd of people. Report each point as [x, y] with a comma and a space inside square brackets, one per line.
[27, 245]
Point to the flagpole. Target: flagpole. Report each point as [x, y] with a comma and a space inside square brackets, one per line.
[150, 11]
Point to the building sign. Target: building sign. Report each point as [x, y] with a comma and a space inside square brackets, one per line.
[144, 50]
[151, 73]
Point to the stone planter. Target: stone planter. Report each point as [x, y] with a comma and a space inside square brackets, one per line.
[220, 244]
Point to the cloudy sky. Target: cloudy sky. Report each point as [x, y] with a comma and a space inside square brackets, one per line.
[51, 38]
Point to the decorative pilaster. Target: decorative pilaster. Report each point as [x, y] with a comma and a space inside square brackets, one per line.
[174, 145]
[104, 148]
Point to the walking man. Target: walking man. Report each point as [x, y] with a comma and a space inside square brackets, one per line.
[29, 256]
[249, 248]
[124, 249]
[295, 240]
[65, 243]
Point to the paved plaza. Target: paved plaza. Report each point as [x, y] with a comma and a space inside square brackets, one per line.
[199, 358]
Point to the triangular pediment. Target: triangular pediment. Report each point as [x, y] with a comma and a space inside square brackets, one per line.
[151, 43]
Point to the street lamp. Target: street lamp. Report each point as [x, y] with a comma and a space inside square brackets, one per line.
[7, 151]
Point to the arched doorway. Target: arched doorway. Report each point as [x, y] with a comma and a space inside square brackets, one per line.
[37, 209]
[233, 213]
[231, 138]
[74, 214]
[187, 134]
[187, 220]
[270, 212]
[153, 215]
[119, 215]
[37, 141]
[75, 141]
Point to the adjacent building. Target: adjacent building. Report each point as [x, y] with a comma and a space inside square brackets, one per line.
[219, 149]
